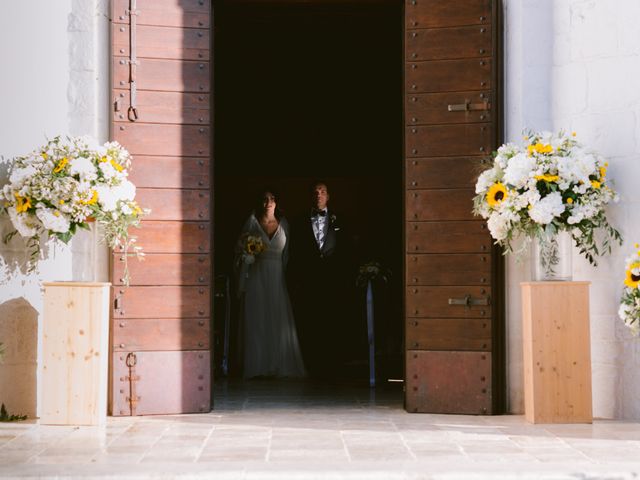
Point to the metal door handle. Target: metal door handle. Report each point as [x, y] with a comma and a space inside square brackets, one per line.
[468, 301]
[468, 106]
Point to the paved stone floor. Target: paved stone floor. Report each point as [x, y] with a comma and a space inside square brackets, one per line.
[280, 430]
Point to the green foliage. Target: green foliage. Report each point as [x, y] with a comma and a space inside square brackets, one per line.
[6, 417]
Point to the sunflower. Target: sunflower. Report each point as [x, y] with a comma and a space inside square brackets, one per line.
[496, 194]
[632, 279]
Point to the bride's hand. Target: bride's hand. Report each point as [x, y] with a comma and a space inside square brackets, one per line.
[248, 259]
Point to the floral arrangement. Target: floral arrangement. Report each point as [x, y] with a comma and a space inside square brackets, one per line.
[552, 183]
[64, 185]
[252, 246]
[372, 270]
[629, 310]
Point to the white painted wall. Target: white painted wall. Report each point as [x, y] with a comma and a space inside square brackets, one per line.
[574, 65]
[54, 82]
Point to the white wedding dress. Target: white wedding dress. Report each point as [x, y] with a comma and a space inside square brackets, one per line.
[271, 345]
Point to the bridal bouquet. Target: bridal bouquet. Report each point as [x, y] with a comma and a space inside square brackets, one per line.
[629, 310]
[550, 184]
[252, 245]
[67, 183]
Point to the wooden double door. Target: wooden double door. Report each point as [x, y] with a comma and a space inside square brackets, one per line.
[162, 113]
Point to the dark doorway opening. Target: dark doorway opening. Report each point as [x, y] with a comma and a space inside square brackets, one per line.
[304, 91]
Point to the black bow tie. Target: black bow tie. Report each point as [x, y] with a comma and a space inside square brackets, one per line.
[315, 212]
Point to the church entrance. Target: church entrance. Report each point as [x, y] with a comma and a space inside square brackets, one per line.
[308, 91]
[394, 105]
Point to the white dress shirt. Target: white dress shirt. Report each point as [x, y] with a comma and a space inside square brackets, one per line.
[320, 226]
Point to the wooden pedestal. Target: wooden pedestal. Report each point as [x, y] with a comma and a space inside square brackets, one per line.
[557, 354]
[75, 353]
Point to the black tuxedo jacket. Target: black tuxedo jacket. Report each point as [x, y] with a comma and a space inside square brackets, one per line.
[311, 264]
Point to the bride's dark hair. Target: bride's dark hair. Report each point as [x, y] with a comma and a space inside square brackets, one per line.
[258, 209]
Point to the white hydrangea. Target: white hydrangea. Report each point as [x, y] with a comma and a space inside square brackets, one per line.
[106, 197]
[125, 191]
[25, 224]
[519, 169]
[52, 219]
[545, 210]
[499, 224]
[107, 170]
[486, 179]
[84, 168]
[19, 175]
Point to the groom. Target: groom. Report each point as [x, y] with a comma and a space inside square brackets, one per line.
[320, 282]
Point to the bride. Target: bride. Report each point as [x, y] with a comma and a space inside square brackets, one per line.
[271, 346]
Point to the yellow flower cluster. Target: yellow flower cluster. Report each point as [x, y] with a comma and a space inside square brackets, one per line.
[113, 163]
[254, 245]
[539, 148]
[548, 177]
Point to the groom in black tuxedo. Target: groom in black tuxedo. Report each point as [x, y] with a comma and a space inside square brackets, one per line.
[320, 283]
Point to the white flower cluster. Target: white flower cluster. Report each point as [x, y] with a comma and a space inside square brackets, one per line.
[68, 182]
[629, 310]
[551, 183]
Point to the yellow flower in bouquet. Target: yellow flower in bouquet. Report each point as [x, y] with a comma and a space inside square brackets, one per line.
[629, 310]
[251, 246]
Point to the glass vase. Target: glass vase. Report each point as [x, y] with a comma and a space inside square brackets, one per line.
[552, 257]
[84, 252]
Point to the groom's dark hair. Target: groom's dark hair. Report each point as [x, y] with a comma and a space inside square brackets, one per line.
[319, 182]
[258, 208]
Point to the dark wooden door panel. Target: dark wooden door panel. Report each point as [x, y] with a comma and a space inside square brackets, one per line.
[173, 237]
[442, 172]
[159, 74]
[453, 329]
[174, 204]
[435, 205]
[436, 302]
[161, 302]
[450, 334]
[447, 237]
[449, 75]
[164, 316]
[449, 140]
[166, 269]
[446, 13]
[448, 382]
[160, 334]
[170, 13]
[170, 172]
[163, 42]
[165, 107]
[435, 108]
[448, 43]
[166, 382]
[449, 269]
[170, 140]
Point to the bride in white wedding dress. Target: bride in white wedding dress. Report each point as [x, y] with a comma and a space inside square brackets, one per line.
[271, 347]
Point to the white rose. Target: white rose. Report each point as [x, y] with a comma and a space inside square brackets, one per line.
[544, 211]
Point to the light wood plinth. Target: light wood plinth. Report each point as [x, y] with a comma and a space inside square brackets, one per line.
[75, 353]
[557, 353]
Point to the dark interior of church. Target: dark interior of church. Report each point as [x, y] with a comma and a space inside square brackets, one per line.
[304, 91]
